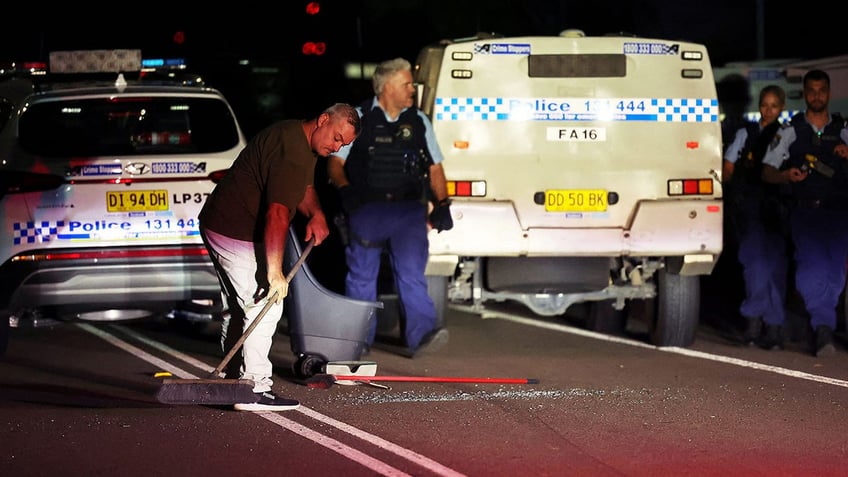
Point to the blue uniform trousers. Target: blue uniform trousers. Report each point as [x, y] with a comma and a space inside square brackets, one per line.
[402, 228]
[821, 253]
[762, 254]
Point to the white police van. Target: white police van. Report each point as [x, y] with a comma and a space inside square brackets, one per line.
[583, 170]
[104, 166]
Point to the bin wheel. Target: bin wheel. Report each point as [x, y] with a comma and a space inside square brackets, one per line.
[308, 365]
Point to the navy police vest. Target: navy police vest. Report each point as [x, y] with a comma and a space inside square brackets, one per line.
[749, 166]
[831, 191]
[389, 161]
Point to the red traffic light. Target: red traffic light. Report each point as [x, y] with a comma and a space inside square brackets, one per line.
[313, 8]
[316, 48]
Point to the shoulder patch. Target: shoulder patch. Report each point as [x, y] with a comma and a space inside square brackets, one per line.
[774, 141]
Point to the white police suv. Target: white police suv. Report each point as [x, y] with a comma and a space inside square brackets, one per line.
[104, 166]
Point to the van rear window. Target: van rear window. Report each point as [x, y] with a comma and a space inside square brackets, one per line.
[127, 126]
[577, 66]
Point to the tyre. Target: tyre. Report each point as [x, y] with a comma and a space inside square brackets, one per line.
[604, 318]
[676, 309]
[437, 288]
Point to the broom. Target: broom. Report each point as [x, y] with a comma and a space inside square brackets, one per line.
[216, 390]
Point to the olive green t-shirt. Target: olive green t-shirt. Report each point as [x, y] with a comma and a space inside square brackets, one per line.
[274, 167]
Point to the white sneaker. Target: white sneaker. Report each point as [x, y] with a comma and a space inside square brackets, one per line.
[268, 401]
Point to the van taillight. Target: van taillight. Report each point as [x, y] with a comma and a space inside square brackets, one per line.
[466, 188]
[15, 182]
[702, 186]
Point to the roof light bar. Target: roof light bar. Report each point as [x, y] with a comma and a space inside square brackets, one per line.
[95, 61]
[176, 63]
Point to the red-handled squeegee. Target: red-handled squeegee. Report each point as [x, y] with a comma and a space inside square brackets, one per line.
[324, 381]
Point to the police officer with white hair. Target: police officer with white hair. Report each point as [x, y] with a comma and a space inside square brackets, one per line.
[386, 180]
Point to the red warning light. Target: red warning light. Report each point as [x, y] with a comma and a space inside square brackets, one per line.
[313, 8]
[316, 48]
[179, 37]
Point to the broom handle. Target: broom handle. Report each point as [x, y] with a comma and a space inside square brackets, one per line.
[268, 304]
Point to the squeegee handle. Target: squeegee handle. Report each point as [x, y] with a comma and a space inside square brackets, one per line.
[268, 304]
[437, 379]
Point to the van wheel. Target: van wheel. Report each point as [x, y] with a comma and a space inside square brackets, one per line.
[437, 288]
[675, 310]
[604, 318]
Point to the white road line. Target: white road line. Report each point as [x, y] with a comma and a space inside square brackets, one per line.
[346, 451]
[666, 349]
[751, 364]
[381, 467]
[166, 349]
[160, 363]
[407, 454]
[485, 314]
[357, 456]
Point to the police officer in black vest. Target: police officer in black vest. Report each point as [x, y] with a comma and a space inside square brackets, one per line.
[386, 180]
[809, 157]
[756, 215]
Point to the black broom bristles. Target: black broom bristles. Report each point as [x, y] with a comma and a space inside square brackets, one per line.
[206, 391]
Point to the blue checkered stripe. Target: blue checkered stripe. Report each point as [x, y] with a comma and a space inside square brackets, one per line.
[686, 110]
[470, 109]
[655, 109]
[36, 232]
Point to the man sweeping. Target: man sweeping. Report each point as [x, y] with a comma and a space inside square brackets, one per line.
[244, 224]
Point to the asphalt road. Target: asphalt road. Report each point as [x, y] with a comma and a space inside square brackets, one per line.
[78, 400]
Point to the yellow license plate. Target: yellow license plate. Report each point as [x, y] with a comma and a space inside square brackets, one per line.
[576, 200]
[136, 200]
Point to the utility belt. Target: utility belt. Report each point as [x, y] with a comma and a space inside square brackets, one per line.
[809, 204]
[395, 196]
[827, 204]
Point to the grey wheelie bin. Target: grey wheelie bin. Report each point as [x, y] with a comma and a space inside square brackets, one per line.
[324, 326]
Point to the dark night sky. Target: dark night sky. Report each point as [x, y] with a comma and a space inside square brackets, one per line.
[374, 30]
[400, 27]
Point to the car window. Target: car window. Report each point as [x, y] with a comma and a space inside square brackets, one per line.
[129, 125]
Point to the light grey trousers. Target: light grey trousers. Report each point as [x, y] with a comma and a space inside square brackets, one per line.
[242, 272]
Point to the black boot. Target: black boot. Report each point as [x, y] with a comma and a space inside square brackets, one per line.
[772, 338]
[823, 341]
[753, 329]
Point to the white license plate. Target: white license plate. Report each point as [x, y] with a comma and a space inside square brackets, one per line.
[136, 200]
[577, 134]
